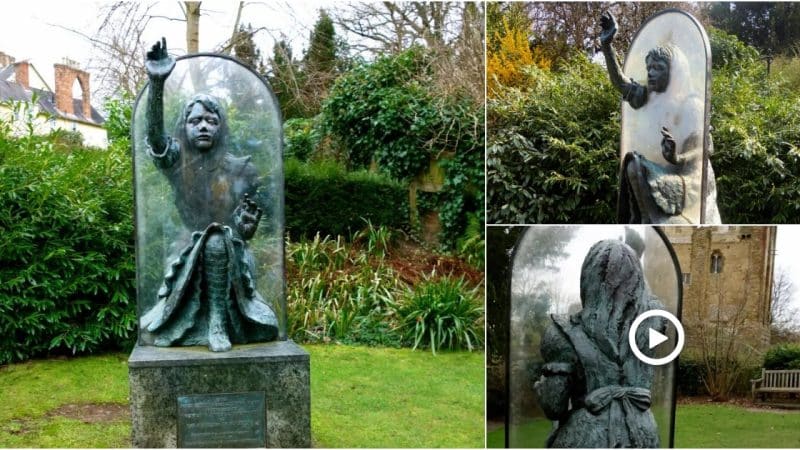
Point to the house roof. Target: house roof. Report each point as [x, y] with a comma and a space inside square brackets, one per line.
[11, 90]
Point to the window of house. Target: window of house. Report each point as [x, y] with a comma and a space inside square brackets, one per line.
[716, 262]
[687, 278]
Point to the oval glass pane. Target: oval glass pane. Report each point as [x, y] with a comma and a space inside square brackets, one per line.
[682, 107]
[254, 140]
[545, 281]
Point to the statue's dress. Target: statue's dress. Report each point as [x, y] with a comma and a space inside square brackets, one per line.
[593, 385]
[206, 194]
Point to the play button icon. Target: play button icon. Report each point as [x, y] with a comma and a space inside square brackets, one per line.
[656, 338]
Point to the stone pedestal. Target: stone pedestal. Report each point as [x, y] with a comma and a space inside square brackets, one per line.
[254, 395]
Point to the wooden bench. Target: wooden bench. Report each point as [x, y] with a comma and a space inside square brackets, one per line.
[776, 382]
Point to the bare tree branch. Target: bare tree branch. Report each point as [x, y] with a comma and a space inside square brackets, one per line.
[784, 312]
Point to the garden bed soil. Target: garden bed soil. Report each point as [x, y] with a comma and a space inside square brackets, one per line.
[414, 262]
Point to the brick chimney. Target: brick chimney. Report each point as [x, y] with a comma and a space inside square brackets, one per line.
[21, 73]
[65, 78]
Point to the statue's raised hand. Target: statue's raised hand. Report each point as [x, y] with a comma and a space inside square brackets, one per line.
[609, 26]
[246, 217]
[668, 146]
[158, 62]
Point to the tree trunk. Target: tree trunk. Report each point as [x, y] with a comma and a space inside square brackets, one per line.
[192, 26]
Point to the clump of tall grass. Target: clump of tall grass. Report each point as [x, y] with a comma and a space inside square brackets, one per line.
[442, 314]
[334, 291]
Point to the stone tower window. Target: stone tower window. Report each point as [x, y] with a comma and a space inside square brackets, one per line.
[716, 262]
[687, 278]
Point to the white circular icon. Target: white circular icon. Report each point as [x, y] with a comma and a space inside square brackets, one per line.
[655, 337]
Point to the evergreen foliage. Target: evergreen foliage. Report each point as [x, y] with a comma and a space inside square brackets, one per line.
[552, 153]
[385, 112]
[771, 27]
[321, 54]
[348, 292]
[509, 48]
[783, 357]
[66, 250]
[756, 131]
[302, 85]
[301, 136]
[246, 50]
[442, 314]
[322, 197]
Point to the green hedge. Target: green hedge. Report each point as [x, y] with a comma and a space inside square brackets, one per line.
[783, 357]
[66, 248]
[552, 153]
[322, 197]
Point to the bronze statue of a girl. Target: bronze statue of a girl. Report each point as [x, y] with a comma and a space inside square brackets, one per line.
[208, 296]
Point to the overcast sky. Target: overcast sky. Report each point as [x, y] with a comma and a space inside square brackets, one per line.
[36, 30]
[787, 246]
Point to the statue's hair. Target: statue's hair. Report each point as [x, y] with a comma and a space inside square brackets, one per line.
[208, 102]
[660, 53]
[612, 289]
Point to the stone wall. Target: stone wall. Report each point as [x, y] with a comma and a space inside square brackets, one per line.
[727, 283]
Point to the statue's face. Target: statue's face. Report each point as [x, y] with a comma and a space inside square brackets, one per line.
[657, 74]
[201, 127]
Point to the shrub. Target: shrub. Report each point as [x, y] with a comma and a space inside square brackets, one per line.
[690, 377]
[553, 148]
[756, 130]
[322, 197]
[302, 137]
[118, 122]
[66, 249]
[441, 314]
[782, 357]
[513, 52]
[728, 52]
[786, 71]
[65, 140]
[382, 111]
[691, 373]
[385, 112]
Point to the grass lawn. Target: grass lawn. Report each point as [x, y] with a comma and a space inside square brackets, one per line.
[360, 397]
[718, 426]
[529, 432]
[725, 425]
